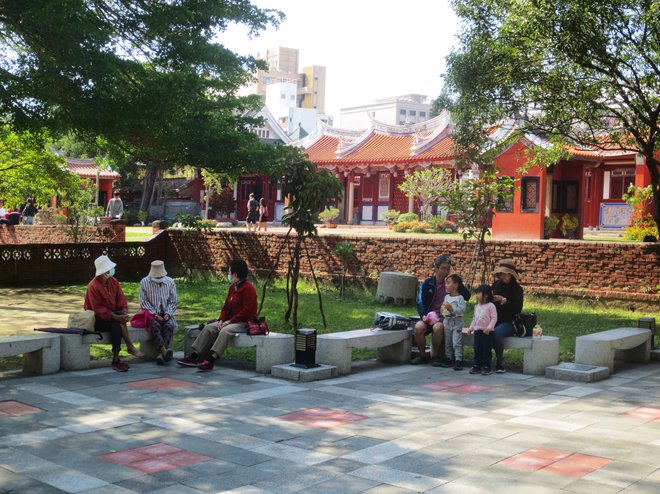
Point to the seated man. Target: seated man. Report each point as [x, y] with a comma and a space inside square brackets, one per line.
[158, 298]
[429, 306]
[240, 306]
[105, 297]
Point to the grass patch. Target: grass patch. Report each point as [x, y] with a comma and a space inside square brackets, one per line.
[138, 233]
[201, 300]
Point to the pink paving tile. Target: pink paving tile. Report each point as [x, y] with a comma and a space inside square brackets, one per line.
[441, 385]
[324, 418]
[536, 458]
[152, 465]
[455, 387]
[158, 457]
[16, 409]
[158, 449]
[577, 465]
[185, 458]
[644, 413]
[125, 457]
[162, 384]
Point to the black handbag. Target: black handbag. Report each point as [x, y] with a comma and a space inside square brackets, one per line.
[523, 324]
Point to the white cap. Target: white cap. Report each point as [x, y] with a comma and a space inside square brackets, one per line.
[103, 265]
[157, 269]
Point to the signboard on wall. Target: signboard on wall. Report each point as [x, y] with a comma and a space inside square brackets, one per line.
[615, 215]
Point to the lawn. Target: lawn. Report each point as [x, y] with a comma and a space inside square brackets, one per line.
[200, 300]
[138, 233]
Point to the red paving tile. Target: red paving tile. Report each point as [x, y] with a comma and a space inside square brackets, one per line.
[644, 413]
[577, 465]
[536, 458]
[162, 384]
[16, 409]
[557, 461]
[154, 458]
[324, 418]
[455, 387]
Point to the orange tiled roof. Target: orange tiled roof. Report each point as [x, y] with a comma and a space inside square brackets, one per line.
[86, 168]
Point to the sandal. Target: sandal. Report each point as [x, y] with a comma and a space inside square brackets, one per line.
[135, 352]
[120, 366]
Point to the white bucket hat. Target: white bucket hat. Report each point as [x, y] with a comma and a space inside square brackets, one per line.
[103, 264]
[157, 269]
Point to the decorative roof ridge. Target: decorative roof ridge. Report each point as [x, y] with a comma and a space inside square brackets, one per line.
[81, 161]
[270, 118]
[443, 129]
[323, 129]
[439, 121]
[344, 147]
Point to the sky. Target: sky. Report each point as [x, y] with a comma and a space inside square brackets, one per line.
[371, 49]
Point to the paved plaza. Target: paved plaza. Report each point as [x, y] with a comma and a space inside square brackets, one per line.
[382, 429]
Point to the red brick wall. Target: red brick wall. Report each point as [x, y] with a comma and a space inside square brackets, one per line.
[45, 234]
[608, 270]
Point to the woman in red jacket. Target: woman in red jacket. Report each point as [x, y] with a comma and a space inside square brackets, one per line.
[240, 306]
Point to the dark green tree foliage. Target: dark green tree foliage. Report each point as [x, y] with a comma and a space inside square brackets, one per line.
[150, 77]
[573, 70]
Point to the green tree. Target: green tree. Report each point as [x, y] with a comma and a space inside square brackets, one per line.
[574, 71]
[29, 169]
[309, 190]
[429, 186]
[474, 201]
[152, 78]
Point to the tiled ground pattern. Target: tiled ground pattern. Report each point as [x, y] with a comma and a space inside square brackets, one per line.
[382, 429]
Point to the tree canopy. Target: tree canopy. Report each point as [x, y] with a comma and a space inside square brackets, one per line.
[152, 78]
[573, 70]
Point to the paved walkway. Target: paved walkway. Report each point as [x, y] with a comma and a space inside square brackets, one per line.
[383, 429]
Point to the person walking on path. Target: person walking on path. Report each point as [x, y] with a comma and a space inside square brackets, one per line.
[263, 215]
[158, 298]
[115, 207]
[430, 297]
[253, 214]
[29, 212]
[240, 306]
[482, 327]
[105, 297]
[508, 300]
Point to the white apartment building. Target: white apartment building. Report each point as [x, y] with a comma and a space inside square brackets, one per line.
[408, 109]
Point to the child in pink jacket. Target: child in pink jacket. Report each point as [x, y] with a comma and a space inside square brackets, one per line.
[483, 324]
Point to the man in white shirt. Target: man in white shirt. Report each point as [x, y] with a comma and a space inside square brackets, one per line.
[115, 207]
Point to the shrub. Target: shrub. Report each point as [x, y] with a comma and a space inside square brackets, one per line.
[568, 224]
[550, 224]
[407, 217]
[391, 216]
[327, 215]
[130, 216]
[440, 225]
[46, 216]
[207, 224]
[223, 201]
[641, 228]
[415, 226]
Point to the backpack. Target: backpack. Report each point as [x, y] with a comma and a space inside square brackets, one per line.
[524, 323]
[390, 321]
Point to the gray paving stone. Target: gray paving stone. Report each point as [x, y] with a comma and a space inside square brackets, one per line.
[69, 480]
[341, 484]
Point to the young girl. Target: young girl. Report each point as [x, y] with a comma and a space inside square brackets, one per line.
[483, 325]
[453, 309]
[263, 215]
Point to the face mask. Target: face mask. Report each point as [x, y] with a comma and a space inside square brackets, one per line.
[229, 278]
[111, 273]
[158, 280]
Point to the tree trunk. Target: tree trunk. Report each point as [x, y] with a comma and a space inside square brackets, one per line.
[150, 176]
[654, 168]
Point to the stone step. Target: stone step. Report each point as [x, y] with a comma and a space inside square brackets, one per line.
[568, 371]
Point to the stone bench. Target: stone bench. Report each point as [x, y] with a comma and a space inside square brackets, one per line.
[600, 349]
[75, 348]
[41, 352]
[398, 287]
[336, 348]
[272, 349]
[538, 353]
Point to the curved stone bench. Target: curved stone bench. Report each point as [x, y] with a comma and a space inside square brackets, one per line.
[538, 354]
[393, 346]
[41, 352]
[629, 344]
[399, 287]
[272, 349]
